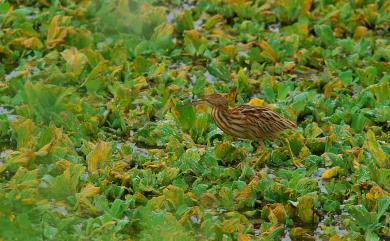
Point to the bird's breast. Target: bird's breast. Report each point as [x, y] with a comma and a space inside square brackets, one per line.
[227, 123]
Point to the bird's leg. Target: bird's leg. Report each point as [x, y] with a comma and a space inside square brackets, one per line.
[296, 162]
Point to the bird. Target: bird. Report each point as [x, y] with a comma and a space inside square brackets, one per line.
[246, 121]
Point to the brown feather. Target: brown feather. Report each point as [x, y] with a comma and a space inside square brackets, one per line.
[245, 121]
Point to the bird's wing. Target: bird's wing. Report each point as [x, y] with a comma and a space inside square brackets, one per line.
[265, 118]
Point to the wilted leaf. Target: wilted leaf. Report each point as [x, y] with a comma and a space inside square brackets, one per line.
[328, 174]
[268, 51]
[256, 102]
[360, 32]
[306, 207]
[174, 195]
[372, 145]
[57, 33]
[86, 192]
[75, 60]
[243, 237]
[98, 157]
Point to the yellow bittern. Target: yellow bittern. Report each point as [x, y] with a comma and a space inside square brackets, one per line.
[246, 121]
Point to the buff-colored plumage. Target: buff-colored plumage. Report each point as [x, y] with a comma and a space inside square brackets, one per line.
[246, 121]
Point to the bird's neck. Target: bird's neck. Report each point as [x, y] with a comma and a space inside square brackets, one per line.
[221, 108]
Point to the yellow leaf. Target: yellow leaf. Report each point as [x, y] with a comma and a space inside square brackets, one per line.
[245, 193]
[192, 212]
[277, 211]
[213, 21]
[155, 203]
[305, 207]
[3, 167]
[288, 66]
[74, 59]
[376, 193]
[89, 191]
[304, 30]
[162, 30]
[381, 90]
[219, 33]
[336, 238]
[305, 151]
[375, 149]
[118, 170]
[269, 51]
[229, 226]
[307, 5]
[299, 232]
[256, 102]
[29, 43]
[141, 83]
[174, 195]
[10, 11]
[22, 157]
[98, 156]
[63, 164]
[231, 96]
[243, 237]
[238, 2]
[159, 71]
[222, 149]
[339, 32]
[55, 32]
[207, 199]
[328, 174]
[192, 34]
[331, 86]
[24, 130]
[360, 32]
[33, 43]
[44, 150]
[53, 28]
[230, 50]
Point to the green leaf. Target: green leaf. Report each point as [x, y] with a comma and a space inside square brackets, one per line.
[66, 184]
[362, 216]
[372, 236]
[381, 91]
[283, 90]
[325, 34]
[219, 71]
[299, 102]
[186, 116]
[4, 7]
[346, 77]
[383, 206]
[358, 121]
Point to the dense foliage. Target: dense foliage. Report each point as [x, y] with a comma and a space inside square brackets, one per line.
[94, 145]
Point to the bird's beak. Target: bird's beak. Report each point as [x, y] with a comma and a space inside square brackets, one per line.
[195, 102]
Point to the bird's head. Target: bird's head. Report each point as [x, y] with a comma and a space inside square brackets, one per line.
[216, 100]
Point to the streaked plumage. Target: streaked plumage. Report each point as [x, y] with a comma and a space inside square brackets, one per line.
[245, 121]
